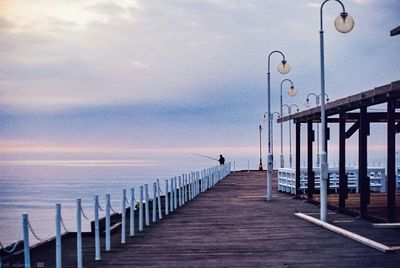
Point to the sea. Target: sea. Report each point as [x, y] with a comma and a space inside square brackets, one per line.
[35, 187]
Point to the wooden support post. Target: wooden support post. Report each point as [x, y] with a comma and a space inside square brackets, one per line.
[391, 161]
[362, 160]
[343, 182]
[297, 190]
[310, 171]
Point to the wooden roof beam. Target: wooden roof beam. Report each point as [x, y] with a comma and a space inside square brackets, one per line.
[395, 31]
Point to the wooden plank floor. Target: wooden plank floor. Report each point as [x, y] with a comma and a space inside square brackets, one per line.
[232, 225]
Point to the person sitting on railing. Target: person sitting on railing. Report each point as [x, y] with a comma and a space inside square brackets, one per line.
[221, 160]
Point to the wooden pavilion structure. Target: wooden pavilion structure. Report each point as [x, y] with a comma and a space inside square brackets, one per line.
[353, 109]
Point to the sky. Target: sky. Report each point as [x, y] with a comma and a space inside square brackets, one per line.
[117, 79]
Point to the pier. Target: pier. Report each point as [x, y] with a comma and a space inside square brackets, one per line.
[231, 224]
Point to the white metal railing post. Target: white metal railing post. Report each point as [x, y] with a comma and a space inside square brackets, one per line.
[154, 202]
[123, 217]
[58, 236]
[146, 204]
[166, 197]
[141, 209]
[187, 188]
[190, 187]
[96, 228]
[180, 191]
[193, 186]
[132, 214]
[108, 222]
[79, 233]
[159, 199]
[202, 180]
[175, 194]
[25, 226]
[183, 189]
[171, 196]
[195, 183]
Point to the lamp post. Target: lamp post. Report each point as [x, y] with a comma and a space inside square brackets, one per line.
[283, 68]
[290, 131]
[291, 92]
[317, 104]
[272, 128]
[344, 24]
[260, 167]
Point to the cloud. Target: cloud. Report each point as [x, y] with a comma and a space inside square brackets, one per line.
[67, 55]
[6, 24]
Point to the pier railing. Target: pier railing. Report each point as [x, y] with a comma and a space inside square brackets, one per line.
[287, 179]
[178, 191]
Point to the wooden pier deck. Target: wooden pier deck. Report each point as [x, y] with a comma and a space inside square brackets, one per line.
[232, 225]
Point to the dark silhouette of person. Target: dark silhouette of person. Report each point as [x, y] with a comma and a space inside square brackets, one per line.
[221, 159]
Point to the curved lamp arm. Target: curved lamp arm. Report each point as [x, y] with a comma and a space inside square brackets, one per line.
[326, 95]
[320, 12]
[295, 105]
[288, 107]
[269, 59]
[272, 115]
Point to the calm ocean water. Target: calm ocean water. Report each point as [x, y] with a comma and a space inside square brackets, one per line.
[34, 187]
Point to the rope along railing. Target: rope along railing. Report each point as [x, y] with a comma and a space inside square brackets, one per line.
[100, 208]
[35, 235]
[84, 215]
[9, 251]
[63, 225]
[112, 209]
[13, 246]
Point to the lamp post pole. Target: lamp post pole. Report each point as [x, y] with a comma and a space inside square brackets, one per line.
[272, 129]
[343, 23]
[317, 104]
[283, 68]
[290, 131]
[282, 158]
